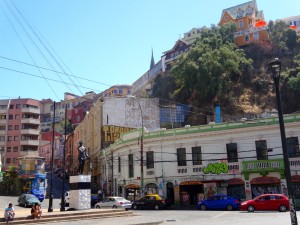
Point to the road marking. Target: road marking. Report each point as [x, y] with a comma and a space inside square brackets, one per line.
[219, 215]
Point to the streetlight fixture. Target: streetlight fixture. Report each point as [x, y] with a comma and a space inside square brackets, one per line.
[275, 66]
[142, 147]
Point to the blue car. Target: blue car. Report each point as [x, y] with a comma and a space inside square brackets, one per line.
[39, 194]
[219, 202]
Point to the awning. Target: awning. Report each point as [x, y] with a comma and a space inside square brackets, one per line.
[265, 180]
[296, 178]
[235, 181]
[132, 186]
[190, 182]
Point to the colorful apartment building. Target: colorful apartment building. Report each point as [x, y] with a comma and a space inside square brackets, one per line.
[117, 90]
[19, 129]
[246, 16]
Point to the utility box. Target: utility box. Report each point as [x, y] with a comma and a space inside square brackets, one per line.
[80, 192]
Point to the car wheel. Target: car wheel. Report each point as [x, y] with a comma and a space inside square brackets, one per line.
[97, 207]
[114, 207]
[282, 208]
[156, 207]
[203, 207]
[135, 207]
[229, 207]
[250, 208]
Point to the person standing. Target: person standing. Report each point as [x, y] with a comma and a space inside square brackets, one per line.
[9, 212]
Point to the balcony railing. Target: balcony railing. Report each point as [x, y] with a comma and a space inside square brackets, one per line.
[248, 31]
[262, 166]
[30, 142]
[31, 110]
[30, 131]
[30, 121]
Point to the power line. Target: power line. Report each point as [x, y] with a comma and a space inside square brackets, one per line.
[23, 44]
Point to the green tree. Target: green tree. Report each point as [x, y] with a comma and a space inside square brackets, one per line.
[211, 70]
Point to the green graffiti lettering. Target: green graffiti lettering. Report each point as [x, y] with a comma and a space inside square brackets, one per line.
[216, 168]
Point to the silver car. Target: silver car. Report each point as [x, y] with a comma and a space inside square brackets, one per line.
[114, 202]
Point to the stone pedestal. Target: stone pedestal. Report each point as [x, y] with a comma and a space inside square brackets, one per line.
[80, 192]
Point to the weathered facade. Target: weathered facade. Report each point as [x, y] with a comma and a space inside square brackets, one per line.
[187, 164]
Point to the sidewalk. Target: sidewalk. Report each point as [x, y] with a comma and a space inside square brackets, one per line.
[128, 217]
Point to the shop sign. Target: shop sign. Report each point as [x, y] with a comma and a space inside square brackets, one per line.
[216, 168]
[195, 178]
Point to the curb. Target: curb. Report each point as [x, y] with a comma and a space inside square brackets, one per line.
[149, 223]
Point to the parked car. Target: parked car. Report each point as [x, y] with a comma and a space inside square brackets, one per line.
[151, 201]
[94, 199]
[219, 202]
[276, 202]
[114, 202]
[27, 200]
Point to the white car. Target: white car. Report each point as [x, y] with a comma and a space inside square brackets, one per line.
[114, 202]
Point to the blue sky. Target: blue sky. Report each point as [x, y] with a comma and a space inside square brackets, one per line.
[105, 42]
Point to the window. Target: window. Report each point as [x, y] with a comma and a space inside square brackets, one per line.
[249, 11]
[2, 117]
[261, 150]
[255, 36]
[18, 106]
[16, 138]
[240, 14]
[16, 149]
[246, 38]
[196, 155]
[2, 127]
[14, 160]
[181, 157]
[8, 149]
[226, 18]
[150, 159]
[120, 91]
[241, 24]
[11, 117]
[16, 127]
[3, 106]
[9, 138]
[130, 160]
[11, 106]
[17, 117]
[10, 127]
[2, 138]
[232, 155]
[119, 164]
[293, 147]
[7, 160]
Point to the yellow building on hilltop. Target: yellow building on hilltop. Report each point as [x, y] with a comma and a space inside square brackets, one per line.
[246, 16]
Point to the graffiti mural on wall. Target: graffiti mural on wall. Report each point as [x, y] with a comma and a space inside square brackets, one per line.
[216, 168]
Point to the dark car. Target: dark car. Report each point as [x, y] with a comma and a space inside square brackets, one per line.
[28, 200]
[94, 199]
[276, 202]
[151, 201]
[219, 202]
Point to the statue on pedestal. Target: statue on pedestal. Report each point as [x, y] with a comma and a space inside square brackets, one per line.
[82, 156]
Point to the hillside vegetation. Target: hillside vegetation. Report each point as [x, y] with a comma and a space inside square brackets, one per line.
[215, 71]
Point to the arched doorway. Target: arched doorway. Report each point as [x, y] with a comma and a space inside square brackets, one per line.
[132, 191]
[190, 192]
[151, 188]
[170, 192]
[265, 185]
[236, 188]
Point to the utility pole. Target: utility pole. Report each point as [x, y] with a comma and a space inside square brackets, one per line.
[50, 208]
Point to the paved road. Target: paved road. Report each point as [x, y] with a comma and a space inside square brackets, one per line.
[186, 217]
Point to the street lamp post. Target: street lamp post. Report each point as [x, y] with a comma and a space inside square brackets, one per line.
[275, 66]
